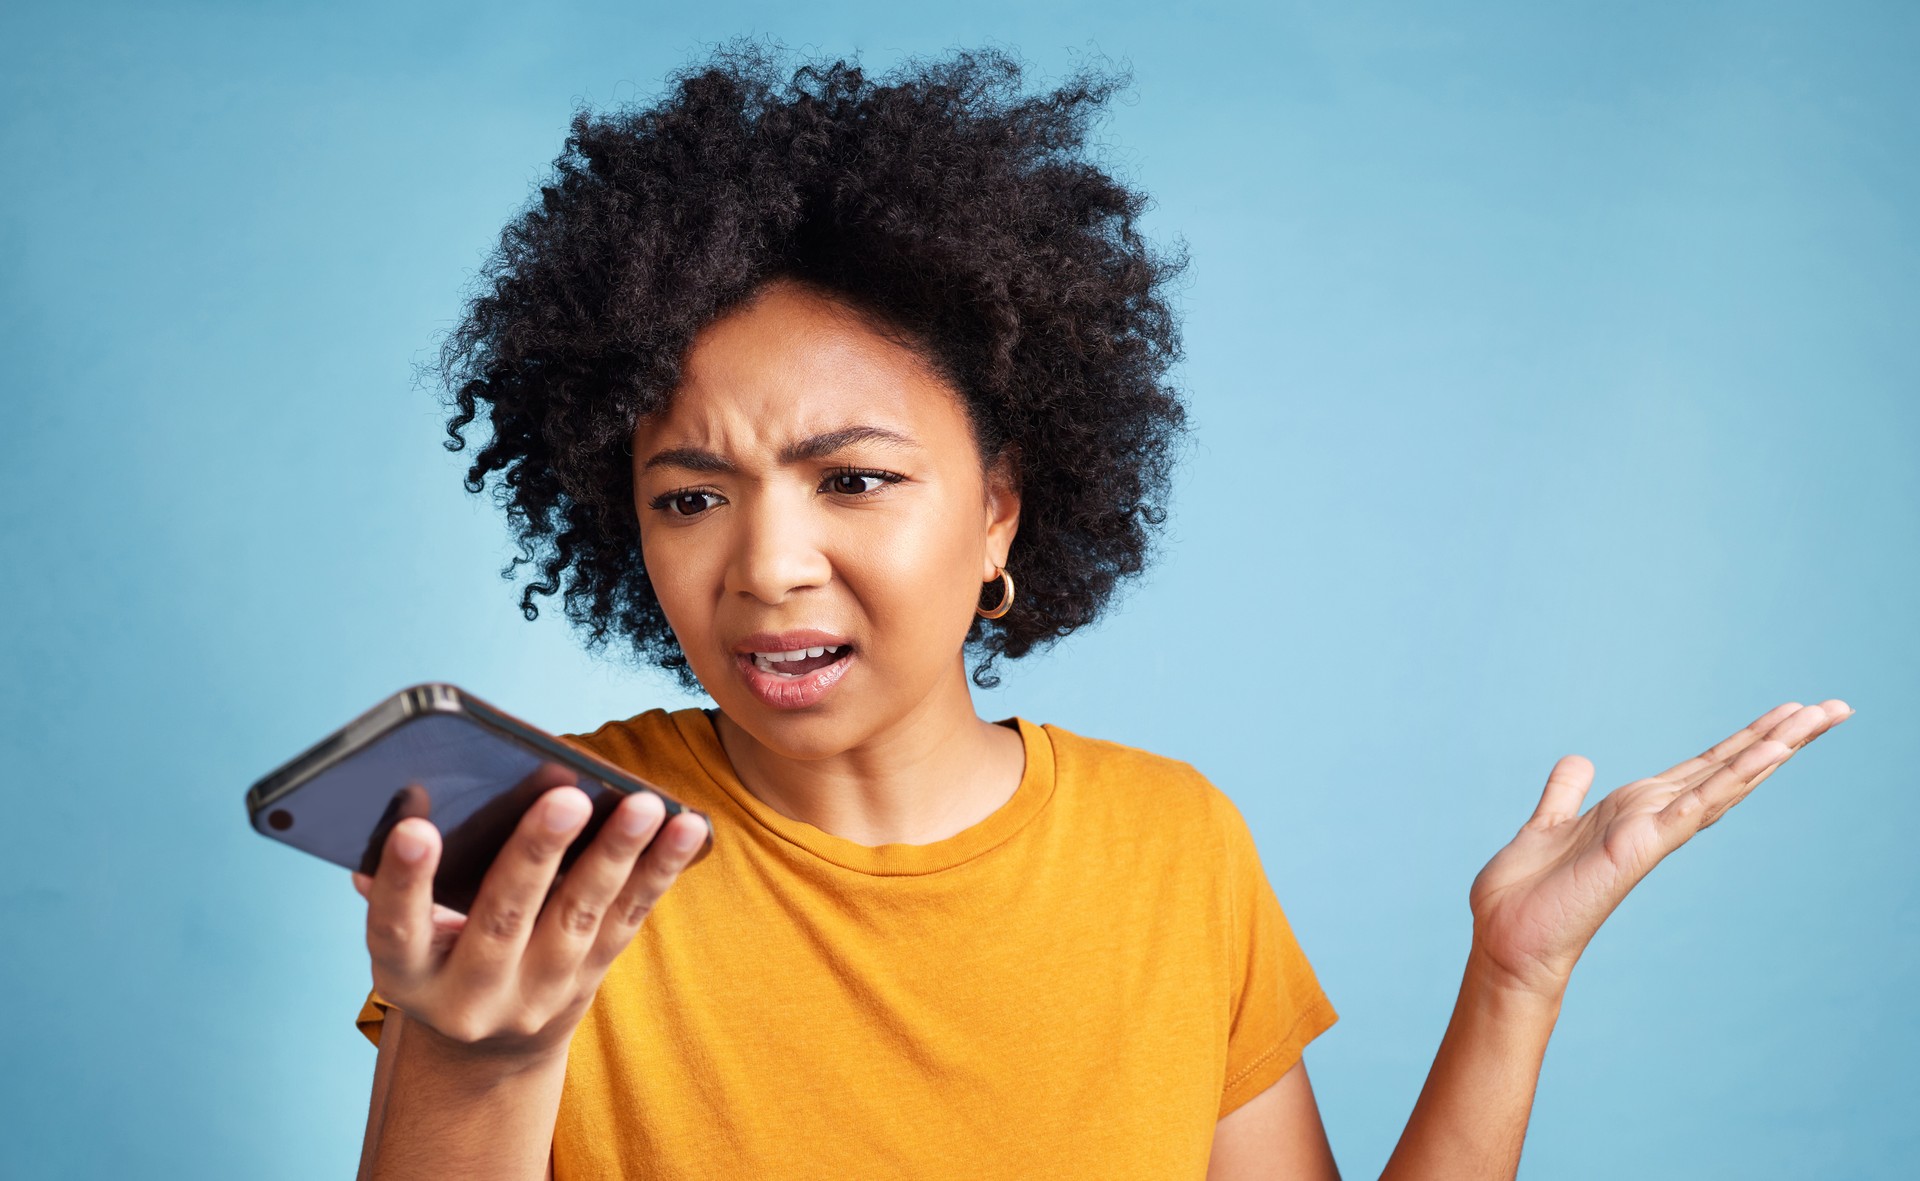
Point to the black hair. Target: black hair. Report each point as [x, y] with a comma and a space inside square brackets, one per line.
[940, 198]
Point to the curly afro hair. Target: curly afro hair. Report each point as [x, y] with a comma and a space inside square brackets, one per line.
[940, 201]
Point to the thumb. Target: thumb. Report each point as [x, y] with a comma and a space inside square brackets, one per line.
[1566, 787]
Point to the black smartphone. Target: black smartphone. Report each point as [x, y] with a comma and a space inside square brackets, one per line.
[437, 751]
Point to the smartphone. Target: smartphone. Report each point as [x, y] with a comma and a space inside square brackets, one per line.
[437, 751]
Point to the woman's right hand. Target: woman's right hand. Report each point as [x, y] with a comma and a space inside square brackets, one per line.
[515, 974]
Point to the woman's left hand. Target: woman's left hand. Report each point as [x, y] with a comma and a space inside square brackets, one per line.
[1540, 900]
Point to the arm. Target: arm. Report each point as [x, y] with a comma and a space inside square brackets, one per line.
[1471, 1117]
[468, 1081]
[437, 1113]
[1536, 906]
[1276, 1134]
[1469, 1121]
[382, 1083]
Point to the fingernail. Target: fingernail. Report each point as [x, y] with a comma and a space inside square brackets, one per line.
[408, 847]
[631, 819]
[564, 813]
[687, 837]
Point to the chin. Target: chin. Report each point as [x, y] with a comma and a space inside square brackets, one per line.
[802, 735]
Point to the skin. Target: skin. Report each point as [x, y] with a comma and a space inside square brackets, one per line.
[894, 753]
[1536, 906]
[741, 534]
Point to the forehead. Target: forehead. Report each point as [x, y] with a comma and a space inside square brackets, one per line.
[793, 362]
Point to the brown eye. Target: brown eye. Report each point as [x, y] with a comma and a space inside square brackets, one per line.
[685, 502]
[858, 482]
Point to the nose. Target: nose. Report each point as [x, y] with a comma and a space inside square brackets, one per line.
[776, 550]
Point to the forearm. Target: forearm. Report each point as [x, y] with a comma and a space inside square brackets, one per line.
[1471, 1118]
[449, 1114]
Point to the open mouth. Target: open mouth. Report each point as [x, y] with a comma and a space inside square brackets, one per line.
[795, 679]
[800, 661]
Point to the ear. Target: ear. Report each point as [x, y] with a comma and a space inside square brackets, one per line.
[1002, 509]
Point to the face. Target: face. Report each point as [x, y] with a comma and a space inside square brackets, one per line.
[812, 485]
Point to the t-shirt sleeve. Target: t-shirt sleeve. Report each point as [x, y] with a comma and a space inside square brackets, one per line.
[373, 1015]
[1278, 1006]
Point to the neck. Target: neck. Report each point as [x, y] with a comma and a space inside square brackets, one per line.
[935, 772]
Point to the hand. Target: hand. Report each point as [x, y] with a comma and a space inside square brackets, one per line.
[1541, 899]
[515, 975]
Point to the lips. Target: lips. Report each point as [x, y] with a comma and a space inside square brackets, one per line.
[779, 691]
[782, 691]
[787, 641]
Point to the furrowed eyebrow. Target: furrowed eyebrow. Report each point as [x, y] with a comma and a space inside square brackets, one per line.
[691, 458]
[811, 447]
[816, 446]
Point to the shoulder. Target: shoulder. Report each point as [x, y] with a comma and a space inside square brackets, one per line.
[1139, 779]
[622, 735]
[661, 746]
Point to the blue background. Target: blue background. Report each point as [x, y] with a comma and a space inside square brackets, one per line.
[1554, 376]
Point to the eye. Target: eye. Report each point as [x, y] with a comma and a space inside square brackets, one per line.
[683, 502]
[859, 481]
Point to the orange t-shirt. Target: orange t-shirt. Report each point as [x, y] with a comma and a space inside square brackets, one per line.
[1079, 985]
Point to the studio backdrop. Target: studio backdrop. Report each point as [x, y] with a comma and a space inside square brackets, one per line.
[1553, 390]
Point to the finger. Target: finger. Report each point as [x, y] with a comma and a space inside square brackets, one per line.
[1796, 730]
[1801, 727]
[1728, 747]
[1700, 805]
[677, 846]
[1704, 802]
[1837, 711]
[1567, 785]
[567, 928]
[516, 884]
[400, 904]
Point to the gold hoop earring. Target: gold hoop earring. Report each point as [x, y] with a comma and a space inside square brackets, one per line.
[1006, 600]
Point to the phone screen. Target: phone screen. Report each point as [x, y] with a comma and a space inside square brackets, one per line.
[473, 782]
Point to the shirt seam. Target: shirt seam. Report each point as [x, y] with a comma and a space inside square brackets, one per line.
[1279, 1044]
[815, 854]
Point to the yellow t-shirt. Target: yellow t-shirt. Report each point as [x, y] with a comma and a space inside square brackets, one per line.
[1079, 985]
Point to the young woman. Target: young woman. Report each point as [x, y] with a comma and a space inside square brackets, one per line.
[809, 389]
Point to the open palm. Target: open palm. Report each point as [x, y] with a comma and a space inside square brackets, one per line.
[1537, 904]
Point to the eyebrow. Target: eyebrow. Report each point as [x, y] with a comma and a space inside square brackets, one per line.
[799, 451]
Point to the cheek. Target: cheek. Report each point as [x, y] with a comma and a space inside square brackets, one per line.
[906, 583]
[680, 577]
[913, 587]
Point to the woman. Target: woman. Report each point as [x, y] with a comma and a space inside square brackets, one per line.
[809, 389]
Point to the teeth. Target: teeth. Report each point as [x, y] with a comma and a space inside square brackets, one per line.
[766, 660]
